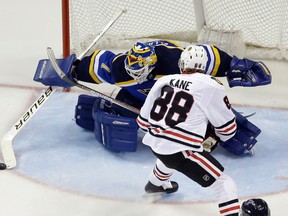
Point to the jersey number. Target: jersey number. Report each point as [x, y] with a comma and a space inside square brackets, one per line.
[172, 106]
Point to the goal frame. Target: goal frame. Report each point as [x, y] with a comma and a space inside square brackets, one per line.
[65, 28]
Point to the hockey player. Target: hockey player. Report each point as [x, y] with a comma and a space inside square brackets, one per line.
[255, 207]
[175, 115]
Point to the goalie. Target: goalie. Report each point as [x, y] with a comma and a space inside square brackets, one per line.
[136, 71]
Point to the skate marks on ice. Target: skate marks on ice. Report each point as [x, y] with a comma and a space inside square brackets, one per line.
[53, 150]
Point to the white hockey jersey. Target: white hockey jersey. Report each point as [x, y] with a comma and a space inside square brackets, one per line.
[177, 110]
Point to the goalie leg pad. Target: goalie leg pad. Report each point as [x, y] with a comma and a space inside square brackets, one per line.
[46, 74]
[245, 137]
[83, 112]
[115, 132]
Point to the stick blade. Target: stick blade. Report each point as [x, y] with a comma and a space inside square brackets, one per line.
[8, 152]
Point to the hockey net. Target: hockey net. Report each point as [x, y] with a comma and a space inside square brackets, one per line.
[253, 29]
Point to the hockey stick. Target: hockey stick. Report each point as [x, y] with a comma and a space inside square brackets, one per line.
[7, 141]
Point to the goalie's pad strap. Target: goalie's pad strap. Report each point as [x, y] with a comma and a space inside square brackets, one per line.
[46, 74]
[83, 112]
[245, 137]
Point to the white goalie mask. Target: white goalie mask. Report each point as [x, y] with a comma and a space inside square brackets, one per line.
[193, 58]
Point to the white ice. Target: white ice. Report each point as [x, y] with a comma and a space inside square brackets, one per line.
[51, 186]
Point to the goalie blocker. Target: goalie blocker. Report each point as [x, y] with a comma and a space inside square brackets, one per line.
[46, 74]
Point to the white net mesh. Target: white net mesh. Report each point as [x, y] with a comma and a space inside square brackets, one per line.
[143, 19]
[262, 24]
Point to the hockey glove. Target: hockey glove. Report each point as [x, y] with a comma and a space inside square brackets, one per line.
[244, 72]
[46, 74]
[211, 140]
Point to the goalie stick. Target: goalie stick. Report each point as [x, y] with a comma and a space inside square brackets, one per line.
[7, 141]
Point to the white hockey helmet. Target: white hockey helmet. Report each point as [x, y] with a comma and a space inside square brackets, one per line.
[193, 59]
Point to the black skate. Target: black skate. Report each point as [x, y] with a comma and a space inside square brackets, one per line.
[166, 188]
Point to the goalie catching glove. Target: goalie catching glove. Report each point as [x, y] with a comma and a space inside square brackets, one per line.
[244, 72]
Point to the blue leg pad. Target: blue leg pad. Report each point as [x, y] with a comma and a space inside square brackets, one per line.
[115, 132]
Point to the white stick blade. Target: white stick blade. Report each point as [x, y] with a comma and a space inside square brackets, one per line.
[8, 152]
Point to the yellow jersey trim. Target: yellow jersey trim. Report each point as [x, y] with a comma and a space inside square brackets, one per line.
[91, 67]
[217, 61]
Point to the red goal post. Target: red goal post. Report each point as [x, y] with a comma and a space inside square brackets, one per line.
[65, 28]
[253, 29]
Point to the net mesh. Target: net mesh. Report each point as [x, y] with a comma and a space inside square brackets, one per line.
[264, 24]
[261, 24]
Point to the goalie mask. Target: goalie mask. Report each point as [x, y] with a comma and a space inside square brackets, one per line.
[193, 59]
[140, 61]
[255, 207]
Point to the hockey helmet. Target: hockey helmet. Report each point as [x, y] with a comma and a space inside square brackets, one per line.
[140, 61]
[193, 58]
[255, 207]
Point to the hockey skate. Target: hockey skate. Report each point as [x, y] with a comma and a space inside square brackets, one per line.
[167, 188]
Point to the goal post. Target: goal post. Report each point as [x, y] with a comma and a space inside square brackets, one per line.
[259, 29]
[65, 28]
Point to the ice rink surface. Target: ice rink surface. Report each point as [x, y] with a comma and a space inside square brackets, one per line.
[62, 170]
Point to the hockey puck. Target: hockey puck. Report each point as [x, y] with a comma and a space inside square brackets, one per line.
[3, 166]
